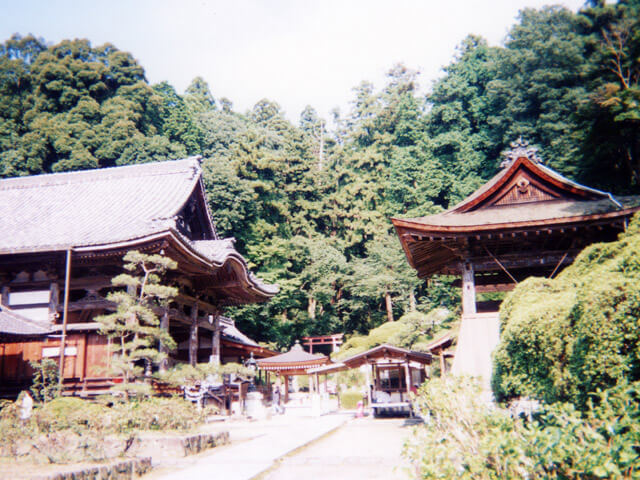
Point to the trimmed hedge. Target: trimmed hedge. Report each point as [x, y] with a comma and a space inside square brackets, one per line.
[565, 338]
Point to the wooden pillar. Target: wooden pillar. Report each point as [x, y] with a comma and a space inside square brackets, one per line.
[368, 373]
[193, 337]
[407, 379]
[4, 297]
[286, 388]
[468, 289]
[54, 298]
[215, 341]
[84, 356]
[164, 324]
[443, 365]
[65, 312]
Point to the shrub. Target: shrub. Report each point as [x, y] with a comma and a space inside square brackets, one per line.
[71, 413]
[564, 338]
[464, 437]
[45, 386]
[72, 429]
[185, 374]
[156, 414]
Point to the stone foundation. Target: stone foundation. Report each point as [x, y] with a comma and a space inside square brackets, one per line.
[123, 470]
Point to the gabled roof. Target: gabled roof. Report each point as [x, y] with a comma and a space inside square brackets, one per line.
[521, 201]
[12, 323]
[295, 358]
[95, 207]
[387, 351]
[525, 193]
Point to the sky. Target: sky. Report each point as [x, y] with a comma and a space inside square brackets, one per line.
[294, 52]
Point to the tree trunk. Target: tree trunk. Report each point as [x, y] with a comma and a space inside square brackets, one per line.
[311, 308]
[164, 324]
[412, 301]
[387, 298]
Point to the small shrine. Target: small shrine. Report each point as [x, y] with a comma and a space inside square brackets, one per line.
[294, 362]
[392, 374]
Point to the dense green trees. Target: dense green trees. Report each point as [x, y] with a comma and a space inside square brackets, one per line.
[310, 206]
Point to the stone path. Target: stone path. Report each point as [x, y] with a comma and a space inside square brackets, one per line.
[363, 448]
[255, 446]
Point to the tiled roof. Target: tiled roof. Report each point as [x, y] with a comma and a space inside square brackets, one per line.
[294, 356]
[215, 250]
[93, 207]
[526, 212]
[230, 331]
[112, 206]
[473, 212]
[14, 324]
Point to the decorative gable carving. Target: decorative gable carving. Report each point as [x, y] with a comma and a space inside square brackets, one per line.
[523, 191]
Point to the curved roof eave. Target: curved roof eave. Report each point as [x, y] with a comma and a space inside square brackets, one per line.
[180, 241]
[417, 224]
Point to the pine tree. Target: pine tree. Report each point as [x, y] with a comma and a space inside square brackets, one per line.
[134, 328]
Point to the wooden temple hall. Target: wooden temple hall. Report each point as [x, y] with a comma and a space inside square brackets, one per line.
[528, 220]
[68, 232]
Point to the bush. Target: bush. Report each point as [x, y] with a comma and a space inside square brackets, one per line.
[564, 338]
[464, 437]
[349, 399]
[156, 414]
[185, 374]
[71, 413]
[45, 386]
[72, 429]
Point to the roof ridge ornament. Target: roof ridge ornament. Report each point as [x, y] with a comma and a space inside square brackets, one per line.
[520, 149]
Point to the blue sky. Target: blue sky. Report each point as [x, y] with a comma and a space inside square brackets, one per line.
[295, 52]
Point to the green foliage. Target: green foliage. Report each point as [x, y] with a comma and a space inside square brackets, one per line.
[45, 380]
[134, 327]
[310, 208]
[465, 438]
[564, 338]
[412, 330]
[75, 430]
[184, 374]
[71, 106]
[349, 399]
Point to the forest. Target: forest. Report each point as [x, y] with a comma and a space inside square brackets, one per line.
[310, 206]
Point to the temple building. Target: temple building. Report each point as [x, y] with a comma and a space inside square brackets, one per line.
[528, 220]
[67, 233]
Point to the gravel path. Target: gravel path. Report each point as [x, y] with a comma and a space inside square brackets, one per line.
[364, 448]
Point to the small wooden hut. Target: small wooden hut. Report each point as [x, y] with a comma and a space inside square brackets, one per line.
[392, 373]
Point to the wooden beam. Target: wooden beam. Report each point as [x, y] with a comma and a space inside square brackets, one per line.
[498, 287]
[193, 336]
